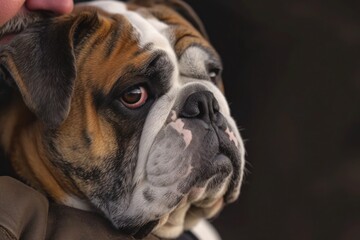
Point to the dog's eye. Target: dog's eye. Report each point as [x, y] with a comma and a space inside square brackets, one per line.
[135, 97]
[214, 74]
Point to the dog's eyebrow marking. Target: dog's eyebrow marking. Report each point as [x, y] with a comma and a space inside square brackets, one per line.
[232, 136]
[178, 125]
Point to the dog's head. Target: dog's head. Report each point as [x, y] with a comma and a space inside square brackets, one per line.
[127, 115]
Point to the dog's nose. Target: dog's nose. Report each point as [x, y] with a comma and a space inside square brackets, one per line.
[201, 105]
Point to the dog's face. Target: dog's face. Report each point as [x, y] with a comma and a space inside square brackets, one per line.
[128, 116]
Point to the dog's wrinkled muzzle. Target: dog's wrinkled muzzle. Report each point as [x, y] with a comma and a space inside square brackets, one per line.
[194, 165]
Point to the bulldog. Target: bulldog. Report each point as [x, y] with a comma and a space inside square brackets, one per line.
[118, 108]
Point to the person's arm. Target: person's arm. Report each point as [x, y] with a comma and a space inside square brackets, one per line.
[27, 215]
[23, 211]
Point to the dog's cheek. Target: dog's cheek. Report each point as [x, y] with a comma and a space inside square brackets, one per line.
[81, 145]
[97, 154]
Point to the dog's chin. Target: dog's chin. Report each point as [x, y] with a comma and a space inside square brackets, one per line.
[201, 200]
[185, 217]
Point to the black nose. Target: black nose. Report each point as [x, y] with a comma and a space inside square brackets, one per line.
[201, 105]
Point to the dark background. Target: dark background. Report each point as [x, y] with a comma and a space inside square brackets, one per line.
[292, 77]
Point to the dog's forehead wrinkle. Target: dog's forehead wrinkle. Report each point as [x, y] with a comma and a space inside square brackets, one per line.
[151, 37]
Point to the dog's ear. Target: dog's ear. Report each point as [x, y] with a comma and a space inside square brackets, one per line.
[40, 63]
[180, 7]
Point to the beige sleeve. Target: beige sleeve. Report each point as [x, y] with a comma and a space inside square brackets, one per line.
[23, 211]
[27, 215]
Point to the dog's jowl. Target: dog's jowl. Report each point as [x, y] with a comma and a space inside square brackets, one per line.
[119, 109]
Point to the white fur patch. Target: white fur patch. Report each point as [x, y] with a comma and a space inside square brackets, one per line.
[75, 202]
[114, 7]
[205, 231]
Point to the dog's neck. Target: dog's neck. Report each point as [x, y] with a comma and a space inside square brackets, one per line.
[20, 139]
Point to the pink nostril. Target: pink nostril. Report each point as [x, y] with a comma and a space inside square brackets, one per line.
[55, 6]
